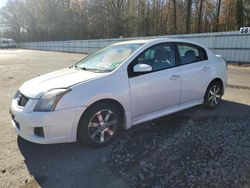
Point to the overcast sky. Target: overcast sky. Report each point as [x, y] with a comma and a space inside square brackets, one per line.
[2, 3]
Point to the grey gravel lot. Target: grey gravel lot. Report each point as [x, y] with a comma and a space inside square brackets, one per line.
[192, 148]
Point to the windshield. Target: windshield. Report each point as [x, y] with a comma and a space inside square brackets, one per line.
[108, 58]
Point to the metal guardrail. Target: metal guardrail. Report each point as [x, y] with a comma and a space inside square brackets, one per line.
[233, 46]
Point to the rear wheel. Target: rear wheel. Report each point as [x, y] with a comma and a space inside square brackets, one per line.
[213, 95]
[99, 125]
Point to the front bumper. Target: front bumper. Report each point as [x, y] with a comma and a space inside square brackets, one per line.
[57, 126]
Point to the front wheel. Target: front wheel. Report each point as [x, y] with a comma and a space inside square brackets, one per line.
[213, 95]
[99, 125]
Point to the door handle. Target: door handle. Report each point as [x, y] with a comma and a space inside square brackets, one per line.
[205, 68]
[175, 76]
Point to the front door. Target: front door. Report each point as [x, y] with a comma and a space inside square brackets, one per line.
[158, 89]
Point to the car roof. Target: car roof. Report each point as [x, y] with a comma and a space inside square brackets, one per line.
[129, 41]
[160, 39]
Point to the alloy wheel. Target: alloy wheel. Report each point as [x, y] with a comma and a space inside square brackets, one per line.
[102, 126]
[214, 95]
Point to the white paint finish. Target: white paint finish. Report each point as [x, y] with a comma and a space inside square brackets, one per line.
[59, 79]
[194, 77]
[166, 111]
[59, 126]
[154, 92]
[143, 97]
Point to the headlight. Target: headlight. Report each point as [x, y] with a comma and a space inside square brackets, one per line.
[50, 99]
[17, 95]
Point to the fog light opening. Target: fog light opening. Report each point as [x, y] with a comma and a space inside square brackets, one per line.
[39, 131]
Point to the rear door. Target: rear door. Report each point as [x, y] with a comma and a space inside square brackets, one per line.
[195, 71]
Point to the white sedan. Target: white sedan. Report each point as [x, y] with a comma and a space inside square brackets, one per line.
[116, 88]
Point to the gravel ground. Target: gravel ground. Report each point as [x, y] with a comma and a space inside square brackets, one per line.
[193, 148]
[196, 153]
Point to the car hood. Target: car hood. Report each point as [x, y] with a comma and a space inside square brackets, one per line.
[63, 78]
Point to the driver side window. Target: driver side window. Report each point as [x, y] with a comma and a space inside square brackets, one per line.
[159, 57]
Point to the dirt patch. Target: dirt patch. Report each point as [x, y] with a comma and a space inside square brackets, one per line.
[240, 65]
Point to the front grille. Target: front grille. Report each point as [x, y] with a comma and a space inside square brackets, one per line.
[22, 100]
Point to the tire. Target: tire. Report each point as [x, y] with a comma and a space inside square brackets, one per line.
[213, 95]
[99, 125]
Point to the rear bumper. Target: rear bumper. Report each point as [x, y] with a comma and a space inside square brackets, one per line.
[57, 126]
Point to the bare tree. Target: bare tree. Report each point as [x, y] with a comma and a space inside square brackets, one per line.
[174, 17]
[239, 13]
[188, 18]
[41, 20]
[218, 15]
[199, 25]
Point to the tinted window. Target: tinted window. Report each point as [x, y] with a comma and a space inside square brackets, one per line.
[191, 53]
[158, 57]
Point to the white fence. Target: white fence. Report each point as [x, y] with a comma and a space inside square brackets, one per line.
[233, 46]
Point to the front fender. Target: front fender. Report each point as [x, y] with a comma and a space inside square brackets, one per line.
[107, 87]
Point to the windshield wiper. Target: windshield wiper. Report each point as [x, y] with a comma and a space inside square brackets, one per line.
[74, 67]
[81, 68]
[91, 69]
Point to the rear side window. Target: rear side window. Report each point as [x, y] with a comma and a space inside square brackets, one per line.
[191, 53]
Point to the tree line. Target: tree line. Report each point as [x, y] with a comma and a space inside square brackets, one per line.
[44, 20]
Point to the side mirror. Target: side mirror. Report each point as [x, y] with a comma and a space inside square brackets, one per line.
[142, 68]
